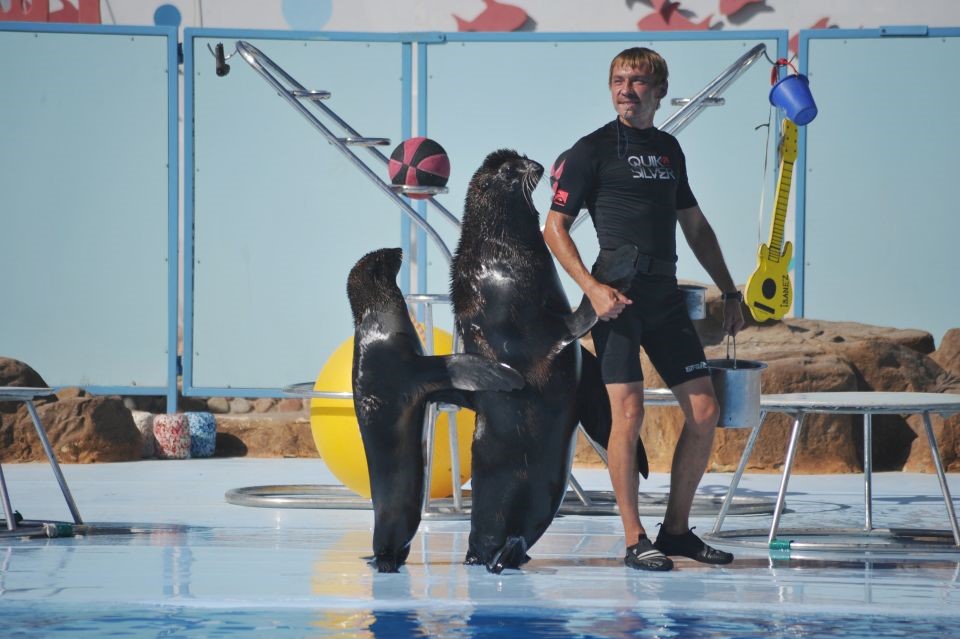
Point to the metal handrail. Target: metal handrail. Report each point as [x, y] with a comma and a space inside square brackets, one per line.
[685, 114]
[295, 93]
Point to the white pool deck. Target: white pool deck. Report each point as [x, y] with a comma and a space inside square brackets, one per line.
[191, 549]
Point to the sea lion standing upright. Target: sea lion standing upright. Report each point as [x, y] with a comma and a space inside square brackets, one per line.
[392, 381]
[510, 306]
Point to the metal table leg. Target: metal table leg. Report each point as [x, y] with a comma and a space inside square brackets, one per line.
[728, 499]
[7, 508]
[454, 456]
[578, 490]
[938, 464]
[787, 467]
[868, 471]
[53, 463]
[429, 433]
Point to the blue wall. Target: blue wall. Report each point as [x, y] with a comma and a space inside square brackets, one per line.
[276, 216]
[88, 204]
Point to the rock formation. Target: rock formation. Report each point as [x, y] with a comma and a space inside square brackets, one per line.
[81, 428]
[805, 355]
[802, 355]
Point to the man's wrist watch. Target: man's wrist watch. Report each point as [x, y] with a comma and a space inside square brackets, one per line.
[733, 295]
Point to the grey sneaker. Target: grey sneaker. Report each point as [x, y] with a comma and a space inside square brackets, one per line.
[643, 556]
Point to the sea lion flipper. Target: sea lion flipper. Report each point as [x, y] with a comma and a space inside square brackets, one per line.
[473, 373]
[643, 464]
[619, 267]
[579, 322]
[512, 554]
[616, 270]
[593, 403]
[593, 407]
[463, 399]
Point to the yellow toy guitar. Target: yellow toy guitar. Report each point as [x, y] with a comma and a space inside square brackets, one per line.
[769, 293]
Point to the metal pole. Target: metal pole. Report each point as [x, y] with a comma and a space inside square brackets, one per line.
[787, 466]
[868, 471]
[7, 508]
[53, 463]
[455, 459]
[685, 114]
[938, 464]
[728, 499]
[429, 430]
[581, 494]
[255, 58]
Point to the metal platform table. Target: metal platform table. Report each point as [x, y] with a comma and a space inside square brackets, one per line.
[868, 404]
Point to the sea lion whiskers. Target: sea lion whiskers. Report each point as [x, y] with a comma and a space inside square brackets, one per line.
[530, 181]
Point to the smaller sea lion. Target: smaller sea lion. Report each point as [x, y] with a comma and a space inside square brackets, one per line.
[392, 382]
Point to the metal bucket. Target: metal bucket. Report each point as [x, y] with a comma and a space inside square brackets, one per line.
[696, 299]
[736, 383]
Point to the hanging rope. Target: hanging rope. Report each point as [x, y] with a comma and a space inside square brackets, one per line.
[775, 71]
[763, 175]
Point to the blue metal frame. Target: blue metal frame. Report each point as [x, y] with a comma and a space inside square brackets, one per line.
[803, 55]
[173, 222]
[406, 116]
[637, 36]
[422, 88]
[173, 206]
[93, 29]
[422, 42]
[190, 34]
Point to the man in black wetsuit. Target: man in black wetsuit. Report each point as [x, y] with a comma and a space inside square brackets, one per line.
[632, 178]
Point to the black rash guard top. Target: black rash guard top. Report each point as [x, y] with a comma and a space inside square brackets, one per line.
[632, 181]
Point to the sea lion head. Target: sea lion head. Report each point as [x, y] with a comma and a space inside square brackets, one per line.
[503, 186]
[372, 283]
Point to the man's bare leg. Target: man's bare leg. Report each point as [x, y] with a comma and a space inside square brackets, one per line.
[690, 458]
[626, 402]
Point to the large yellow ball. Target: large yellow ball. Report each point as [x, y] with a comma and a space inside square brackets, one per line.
[337, 433]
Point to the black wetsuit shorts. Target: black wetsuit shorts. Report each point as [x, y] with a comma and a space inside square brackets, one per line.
[659, 322]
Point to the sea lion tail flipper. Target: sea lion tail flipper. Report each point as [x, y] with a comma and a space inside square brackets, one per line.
[474, 372]
[512, 554]
[593, 408]
[593, 403]
[389, 561]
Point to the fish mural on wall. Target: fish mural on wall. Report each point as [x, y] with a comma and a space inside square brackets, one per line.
[667, 16]
[496, 16]
[70, 11]
[733, 7]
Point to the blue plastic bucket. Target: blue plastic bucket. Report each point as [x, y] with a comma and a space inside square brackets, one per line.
[792, 94]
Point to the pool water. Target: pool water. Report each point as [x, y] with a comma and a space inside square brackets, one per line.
[167, 556]
[482, 622]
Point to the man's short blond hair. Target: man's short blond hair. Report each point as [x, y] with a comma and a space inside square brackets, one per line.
[641, 58]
